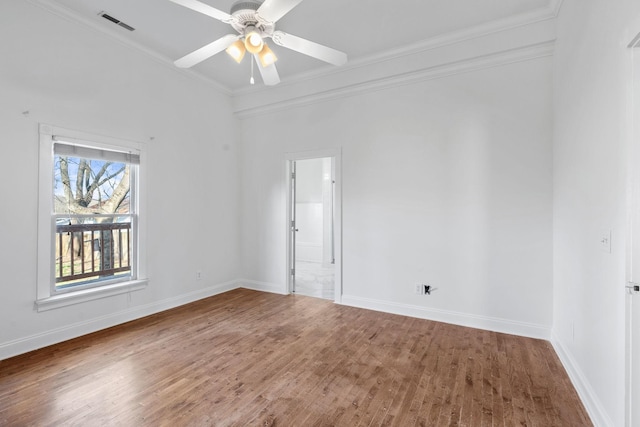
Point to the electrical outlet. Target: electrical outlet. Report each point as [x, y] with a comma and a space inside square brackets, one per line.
[198, 275]
[419, 288]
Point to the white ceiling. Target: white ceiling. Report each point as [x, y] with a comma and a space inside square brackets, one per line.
[362, 29]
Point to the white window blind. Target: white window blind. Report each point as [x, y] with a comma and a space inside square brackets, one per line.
[69, 147]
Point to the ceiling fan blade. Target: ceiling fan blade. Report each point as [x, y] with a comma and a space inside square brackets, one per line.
[272, 10]
[206, 9]
[310, 48]
[206, 52]
[269, 74]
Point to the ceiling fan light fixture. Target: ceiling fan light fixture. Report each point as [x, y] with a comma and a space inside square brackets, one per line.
[253, 41]
[236, 50]
[266, 56]
[253, 21]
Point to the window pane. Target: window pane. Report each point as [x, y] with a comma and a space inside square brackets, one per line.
[92, 249]
[89, 186]
[93, 235]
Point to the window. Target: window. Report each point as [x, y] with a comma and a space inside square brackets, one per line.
[89, 217]
[95, 215]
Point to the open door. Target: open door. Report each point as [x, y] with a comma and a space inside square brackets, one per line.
[633, 253]
[292, 226]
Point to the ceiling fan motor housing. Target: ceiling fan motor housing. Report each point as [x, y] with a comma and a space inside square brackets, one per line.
[244, 14]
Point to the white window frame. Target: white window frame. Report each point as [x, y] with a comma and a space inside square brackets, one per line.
[46, 296]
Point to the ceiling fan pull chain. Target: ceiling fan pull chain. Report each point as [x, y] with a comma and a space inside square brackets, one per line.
[252, 80]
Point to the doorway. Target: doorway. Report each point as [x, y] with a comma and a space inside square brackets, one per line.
[313, 226]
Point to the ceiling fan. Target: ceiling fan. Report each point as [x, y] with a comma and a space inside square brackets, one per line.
[255, 21]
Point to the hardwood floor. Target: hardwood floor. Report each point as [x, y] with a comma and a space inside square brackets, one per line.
[251, 358]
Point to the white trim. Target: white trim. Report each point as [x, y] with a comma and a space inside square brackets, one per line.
[555, 7]
[336, 155]
[494, 324]
[481, 62]
[436, 42]
[313, 154]
[255, 285]
[54, 336]
[633, 223]
[587, 395]
[46, 245]
[84, 295]
[45, 284]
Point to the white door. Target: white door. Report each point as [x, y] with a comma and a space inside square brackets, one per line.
[293, 230]
[633, 271]
[633, 320]
[633, 399]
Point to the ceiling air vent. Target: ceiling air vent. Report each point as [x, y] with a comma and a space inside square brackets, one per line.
[116, 21]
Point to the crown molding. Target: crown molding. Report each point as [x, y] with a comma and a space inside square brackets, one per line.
[555, 6]
[496, 59]
[440, 41]
[69, 15]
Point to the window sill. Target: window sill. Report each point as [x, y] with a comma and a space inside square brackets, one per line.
[85, 295]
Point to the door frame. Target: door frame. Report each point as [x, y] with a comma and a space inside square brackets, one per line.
[336, 155]
[633, 224]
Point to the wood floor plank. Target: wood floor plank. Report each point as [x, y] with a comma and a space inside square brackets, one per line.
[467, 386]
[422, 349]
[250, 358]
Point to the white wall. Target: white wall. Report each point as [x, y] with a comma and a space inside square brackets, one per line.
[309, 210]
[446, 181]
[591, 86]
[68, 75]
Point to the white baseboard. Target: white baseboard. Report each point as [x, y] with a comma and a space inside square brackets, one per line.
[599, 416]
[255, 285]
[34, 342]
[462, 319]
